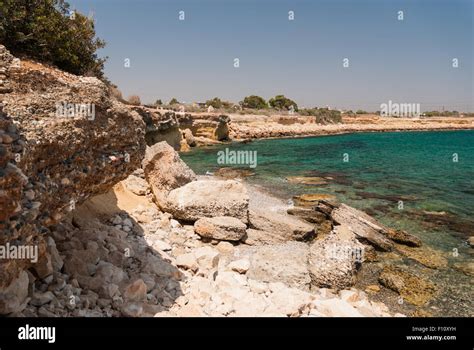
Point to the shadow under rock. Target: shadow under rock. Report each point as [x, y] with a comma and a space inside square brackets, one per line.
[110, 266]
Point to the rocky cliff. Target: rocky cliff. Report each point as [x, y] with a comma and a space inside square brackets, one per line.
[63, 139]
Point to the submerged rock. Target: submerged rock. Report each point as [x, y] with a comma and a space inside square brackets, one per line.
[307, 180]
[403, 237]
[426, 256]
[414, 289]
[233, 173]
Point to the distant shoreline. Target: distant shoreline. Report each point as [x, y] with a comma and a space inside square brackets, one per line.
[255, 127]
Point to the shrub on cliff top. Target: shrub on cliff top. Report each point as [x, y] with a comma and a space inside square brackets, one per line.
[281, 102]
[254, 102]
[49, 31]
[134, 100]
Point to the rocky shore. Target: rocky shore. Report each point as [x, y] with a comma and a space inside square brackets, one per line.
[125, 228]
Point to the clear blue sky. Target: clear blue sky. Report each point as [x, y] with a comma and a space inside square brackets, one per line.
[407, 61]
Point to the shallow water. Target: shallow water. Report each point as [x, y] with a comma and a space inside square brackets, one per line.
[396, 176]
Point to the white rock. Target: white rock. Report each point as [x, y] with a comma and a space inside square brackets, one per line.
[188, 261]
[240, 266]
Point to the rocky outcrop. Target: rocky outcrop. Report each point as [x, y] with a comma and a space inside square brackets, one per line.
[63, 140]
[208, 198]
[183, 130]
[165, 171]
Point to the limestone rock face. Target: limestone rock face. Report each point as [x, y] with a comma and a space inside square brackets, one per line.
[208, 198]
[165, 171]
[63, 139]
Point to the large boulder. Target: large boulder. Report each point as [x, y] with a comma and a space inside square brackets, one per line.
[64, 139]
[365, 228]
[286, 263]
[165, 171]
[334, 261]
[208, 198]
[223, 228]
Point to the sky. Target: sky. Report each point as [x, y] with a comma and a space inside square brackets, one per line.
[403, 61]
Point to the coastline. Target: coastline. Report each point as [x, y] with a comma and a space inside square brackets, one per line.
[255, 127]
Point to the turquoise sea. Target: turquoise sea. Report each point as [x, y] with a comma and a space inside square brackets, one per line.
[422, 182]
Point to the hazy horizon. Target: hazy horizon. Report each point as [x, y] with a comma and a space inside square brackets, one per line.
[408, 61]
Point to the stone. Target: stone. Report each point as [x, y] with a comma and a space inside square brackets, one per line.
[403, 237]
[187, 261]
[465, 267]
[429, 257]
[127, 223]
[308, 200]
[225, 247]
[336, 308]
[351, 296]
[207, 258]
[165, 171]
[334, 261]
[365, 228]
[286, 263]
[136, 291]
[161, 245]
[220, 228]
[307, 180]
[373, 289]
[136, 185]
[308, 214]
[132, 309]
[39, 299]
[416, 290]
[470, 241]
[208, 198]
[240, 266]
[189, 137]
[13, 298]
[117, 220]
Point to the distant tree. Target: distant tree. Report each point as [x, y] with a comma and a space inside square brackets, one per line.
[360, 111]
[215, 102]
[254, 102]
[49, 31]
[134, 100]
[174, 101]
[282, 102]
[158, 102]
